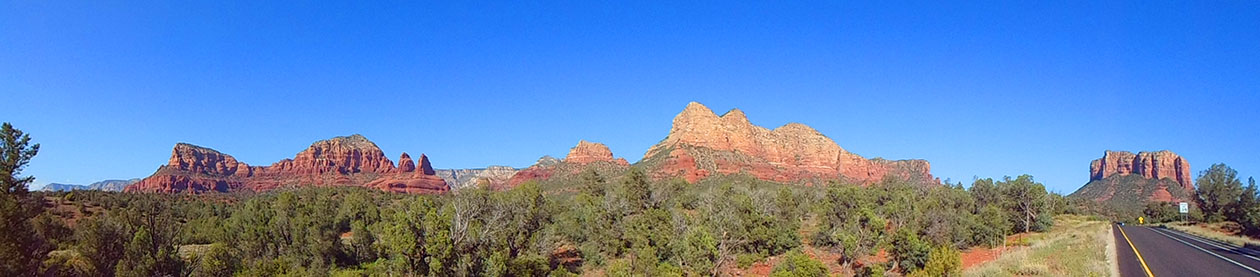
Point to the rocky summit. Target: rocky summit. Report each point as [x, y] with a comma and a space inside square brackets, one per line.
[585, 155]
[1146, 176]
[702, 144]
[340, 161]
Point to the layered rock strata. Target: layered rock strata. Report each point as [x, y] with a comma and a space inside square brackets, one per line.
[341, 161]
[701, 144]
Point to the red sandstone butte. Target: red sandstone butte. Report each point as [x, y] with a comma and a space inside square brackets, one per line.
[340, 161]
[585, 155]
[589, 152]
[1152, 165]
[701, 143]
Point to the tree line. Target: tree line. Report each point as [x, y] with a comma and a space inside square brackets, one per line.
[624, 225]
[1221, 197]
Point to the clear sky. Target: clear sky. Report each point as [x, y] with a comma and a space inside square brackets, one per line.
[979, 89]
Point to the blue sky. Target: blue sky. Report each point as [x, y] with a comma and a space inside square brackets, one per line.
[979, 89]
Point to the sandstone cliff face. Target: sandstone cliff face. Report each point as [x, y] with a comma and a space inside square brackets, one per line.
[1122, 183]
[494, 176]
[1152, 165]
[421, 180]
[586, 155]
[341, 161]
[405, 165]
[701, 144]
[342, 155]
[589, 152]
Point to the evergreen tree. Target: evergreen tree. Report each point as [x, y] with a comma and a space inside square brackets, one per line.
[21, 249]
[1219, 190]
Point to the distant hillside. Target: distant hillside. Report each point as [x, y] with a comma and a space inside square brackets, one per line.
[63, 187]
[1127, 195]
[112, 185]
[469, 177]
[106, 185]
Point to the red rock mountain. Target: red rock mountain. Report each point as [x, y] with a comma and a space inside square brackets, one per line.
[341, 161]
[702, 144]
[1152, 165]
[1123, 183]
[586, 155]
[589, 152]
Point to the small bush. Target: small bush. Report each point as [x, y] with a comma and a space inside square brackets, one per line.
[797, 264]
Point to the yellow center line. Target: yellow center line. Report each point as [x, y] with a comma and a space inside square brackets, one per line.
[1135, 252]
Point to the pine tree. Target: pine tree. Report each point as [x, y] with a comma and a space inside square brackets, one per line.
[21, 249]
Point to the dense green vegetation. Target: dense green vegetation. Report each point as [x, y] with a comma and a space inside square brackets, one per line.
[624, 225]
[1222, 197]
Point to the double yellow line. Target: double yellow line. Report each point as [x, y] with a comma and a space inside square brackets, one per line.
[1135, 251]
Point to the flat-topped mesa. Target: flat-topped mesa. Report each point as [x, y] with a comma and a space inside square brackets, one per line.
[789, 153]
[1152, 165]
[340, 161]
[589, 152]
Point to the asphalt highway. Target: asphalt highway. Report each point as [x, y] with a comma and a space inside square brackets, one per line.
[1154, 251]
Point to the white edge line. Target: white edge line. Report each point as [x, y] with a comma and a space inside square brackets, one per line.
[1212, 243]
[1205, 251]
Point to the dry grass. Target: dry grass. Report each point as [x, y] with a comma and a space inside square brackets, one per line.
[1226, 232]
[1075, 246]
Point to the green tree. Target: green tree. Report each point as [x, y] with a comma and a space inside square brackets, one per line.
[697, 252]
[217, 261]
[1249, 209]
[592, 183]
[909, 251]
[21, 249]
[638, 192]
[361, 240]
[1219, 190]
[797, 264]
[1027, 201]
[101, 240]
[942, 261]
[144, 256]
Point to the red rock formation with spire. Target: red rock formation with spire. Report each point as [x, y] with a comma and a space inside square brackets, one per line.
[341, 161]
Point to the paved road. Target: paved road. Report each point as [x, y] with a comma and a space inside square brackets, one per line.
[1166, 252]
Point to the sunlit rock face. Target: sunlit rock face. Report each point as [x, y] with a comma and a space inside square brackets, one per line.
[702, 143]
[1151, 165]
[340, 161]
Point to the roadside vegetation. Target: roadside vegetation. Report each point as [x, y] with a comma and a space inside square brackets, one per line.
[1225, 209]
[1076, 246]
[623, 225]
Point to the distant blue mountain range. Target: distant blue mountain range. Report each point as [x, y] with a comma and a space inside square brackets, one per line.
[106, 185]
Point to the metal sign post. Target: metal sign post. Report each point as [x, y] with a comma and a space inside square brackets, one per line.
[1184, 208]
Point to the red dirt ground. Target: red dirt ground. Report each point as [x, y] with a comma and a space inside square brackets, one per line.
[979, 255]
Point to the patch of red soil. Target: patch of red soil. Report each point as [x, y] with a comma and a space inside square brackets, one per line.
[980, 255]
